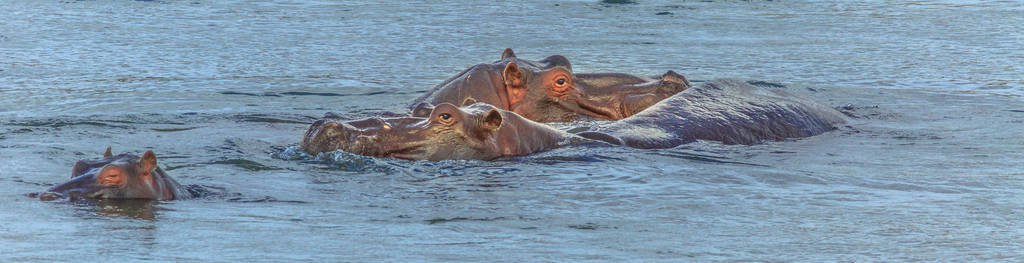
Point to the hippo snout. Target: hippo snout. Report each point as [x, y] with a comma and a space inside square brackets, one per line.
[365, 139]
[336, 131]
[49, 196]
[328, 136]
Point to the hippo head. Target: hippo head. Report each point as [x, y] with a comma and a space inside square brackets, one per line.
[123, 176]
[477, 131]
[546, 91]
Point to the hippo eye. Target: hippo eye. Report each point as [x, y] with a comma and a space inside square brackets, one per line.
[560, 82]
[446, 116]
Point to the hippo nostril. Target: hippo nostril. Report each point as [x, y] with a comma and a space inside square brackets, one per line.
[49, 196]
[367, 139]
[333, 130]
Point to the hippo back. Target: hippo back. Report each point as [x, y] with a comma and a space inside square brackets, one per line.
[728, 111]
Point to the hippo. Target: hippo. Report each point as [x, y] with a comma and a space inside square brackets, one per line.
[478, 131]
[727, 111]
[548, 91]
[124, 176]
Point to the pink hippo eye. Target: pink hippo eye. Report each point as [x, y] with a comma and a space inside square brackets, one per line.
[446, 116]
[560, 82]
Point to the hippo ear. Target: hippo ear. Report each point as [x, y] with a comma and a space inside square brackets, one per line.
[514, 80]
[513, 75]
[80, 168]
[492, 121]
[508, 54]
[108, 154]
[673, 77]
[148, 161]
[489, 125]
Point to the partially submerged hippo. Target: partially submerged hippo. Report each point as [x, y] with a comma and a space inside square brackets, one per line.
[478, 131]
[728, 111]
[548, 91]
[124, 176]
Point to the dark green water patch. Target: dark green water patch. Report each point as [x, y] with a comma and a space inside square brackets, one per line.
[765, 84]
[265, 199]
[332, 94]
[246, 164]
[618, 2]
[324, 94]
[554, 160]
[702, 158]
[866, 112]
[460, 219]
[588, 226]
[265, 119]
[173, 129]
[172, 168]
[265, 94]
[58, 124]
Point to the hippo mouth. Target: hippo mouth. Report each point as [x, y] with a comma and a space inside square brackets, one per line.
[376, 148]
[408, 153]
[593, 110]
[81, 187]
[70, 195]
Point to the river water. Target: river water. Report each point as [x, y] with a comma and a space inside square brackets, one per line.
[929, 167]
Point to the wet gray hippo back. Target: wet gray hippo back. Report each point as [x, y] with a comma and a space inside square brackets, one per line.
[725, 110]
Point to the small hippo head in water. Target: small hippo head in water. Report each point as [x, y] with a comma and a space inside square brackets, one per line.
[548, 91]
[478, 131]
[123, 176]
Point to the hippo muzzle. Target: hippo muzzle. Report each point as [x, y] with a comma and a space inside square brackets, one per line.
[83, 186]
[479, 131]
[392, 137]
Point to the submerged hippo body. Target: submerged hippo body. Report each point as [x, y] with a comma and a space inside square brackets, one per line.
[478, 131]
[548, 91]
[124, 176]
[728, 111]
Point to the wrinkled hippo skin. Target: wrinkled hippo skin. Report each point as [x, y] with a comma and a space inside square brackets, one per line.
[548, 91]
[124, 176]
[445, 132]
[728, 111]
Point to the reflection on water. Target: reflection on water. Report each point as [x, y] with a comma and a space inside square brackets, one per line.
[927, 170]
[130, 208]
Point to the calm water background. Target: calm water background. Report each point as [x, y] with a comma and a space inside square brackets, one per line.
[929, 169]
